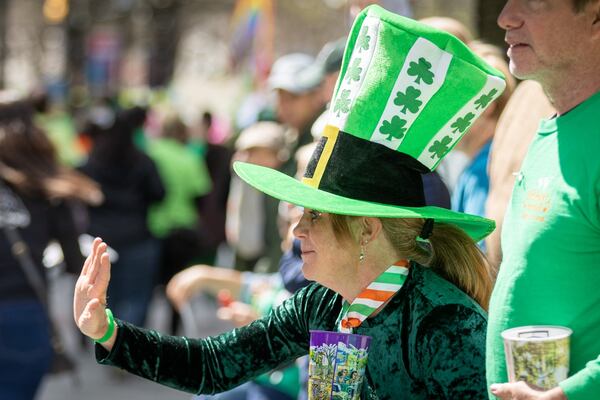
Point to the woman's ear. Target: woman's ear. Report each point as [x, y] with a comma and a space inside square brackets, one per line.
[371, 228]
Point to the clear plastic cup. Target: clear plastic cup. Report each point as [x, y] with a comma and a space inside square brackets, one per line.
[538, 355]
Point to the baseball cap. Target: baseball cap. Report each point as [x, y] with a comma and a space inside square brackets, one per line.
[295, 73]
[265, 134]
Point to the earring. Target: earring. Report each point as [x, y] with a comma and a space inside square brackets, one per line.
[363, 252]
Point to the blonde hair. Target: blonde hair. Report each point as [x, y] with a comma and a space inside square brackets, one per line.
[452, 253]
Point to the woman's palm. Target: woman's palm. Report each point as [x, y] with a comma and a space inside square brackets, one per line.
[89, 301]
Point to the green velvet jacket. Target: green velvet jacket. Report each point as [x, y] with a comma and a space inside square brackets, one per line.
[427, 343]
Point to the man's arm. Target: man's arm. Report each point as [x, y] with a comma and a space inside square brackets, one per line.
[585, 384]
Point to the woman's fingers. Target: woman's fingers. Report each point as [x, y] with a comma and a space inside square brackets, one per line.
[88, 261]
[103, 276]
[96, 263]
[90, 291]
[97, 289]
[82, 287]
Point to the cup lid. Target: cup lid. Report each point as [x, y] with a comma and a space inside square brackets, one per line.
[537, 333]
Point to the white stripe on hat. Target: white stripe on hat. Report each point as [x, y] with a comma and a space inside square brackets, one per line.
[440, 60]
[351, 88]
[447, 137]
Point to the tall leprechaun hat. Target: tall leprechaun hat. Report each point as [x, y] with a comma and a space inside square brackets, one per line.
[405, 96]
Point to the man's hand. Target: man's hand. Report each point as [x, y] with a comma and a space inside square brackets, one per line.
[186, 284]
[523, 391]
[240, 314]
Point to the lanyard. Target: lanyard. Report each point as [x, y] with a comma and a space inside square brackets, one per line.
[376, 294]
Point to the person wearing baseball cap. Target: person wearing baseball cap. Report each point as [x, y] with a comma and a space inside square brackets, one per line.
[296, 79]
[252, 228]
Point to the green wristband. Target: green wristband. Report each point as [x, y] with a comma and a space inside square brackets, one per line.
[111, 327]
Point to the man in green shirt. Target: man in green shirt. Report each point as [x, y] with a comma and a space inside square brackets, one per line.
[551, 235]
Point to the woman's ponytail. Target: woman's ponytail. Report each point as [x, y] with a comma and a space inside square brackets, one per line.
[448, 250]
[458, 259]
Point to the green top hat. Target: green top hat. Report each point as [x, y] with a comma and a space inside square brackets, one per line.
[406, 95]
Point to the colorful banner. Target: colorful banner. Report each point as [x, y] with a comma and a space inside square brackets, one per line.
[252, 36]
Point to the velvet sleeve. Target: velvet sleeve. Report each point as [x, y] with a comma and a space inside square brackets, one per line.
[450, 348]
[218, 363]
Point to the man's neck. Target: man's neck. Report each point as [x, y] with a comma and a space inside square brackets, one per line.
[566, 94]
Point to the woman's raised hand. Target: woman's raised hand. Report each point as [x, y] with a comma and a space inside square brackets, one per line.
[89, 302]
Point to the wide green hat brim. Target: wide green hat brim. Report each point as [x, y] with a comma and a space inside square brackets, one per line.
[286, 188]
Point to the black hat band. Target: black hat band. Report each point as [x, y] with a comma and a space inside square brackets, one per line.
[352, 167]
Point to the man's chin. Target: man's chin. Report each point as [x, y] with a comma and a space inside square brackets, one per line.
[520, 71]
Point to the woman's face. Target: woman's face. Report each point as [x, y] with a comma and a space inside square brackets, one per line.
[326, 259]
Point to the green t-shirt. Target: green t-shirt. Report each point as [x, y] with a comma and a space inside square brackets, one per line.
[550, 274]
[61, 130]
[185, 178]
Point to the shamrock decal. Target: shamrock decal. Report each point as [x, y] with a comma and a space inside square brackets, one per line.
[409, 100]
[485, 99]
[342, 104]
[439, 148]
[394, 128]
[354, 71]
[461, 124]
[422, 70]
[364, 39]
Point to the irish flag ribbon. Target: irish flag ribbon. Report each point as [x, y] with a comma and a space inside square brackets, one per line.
[376, 294]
